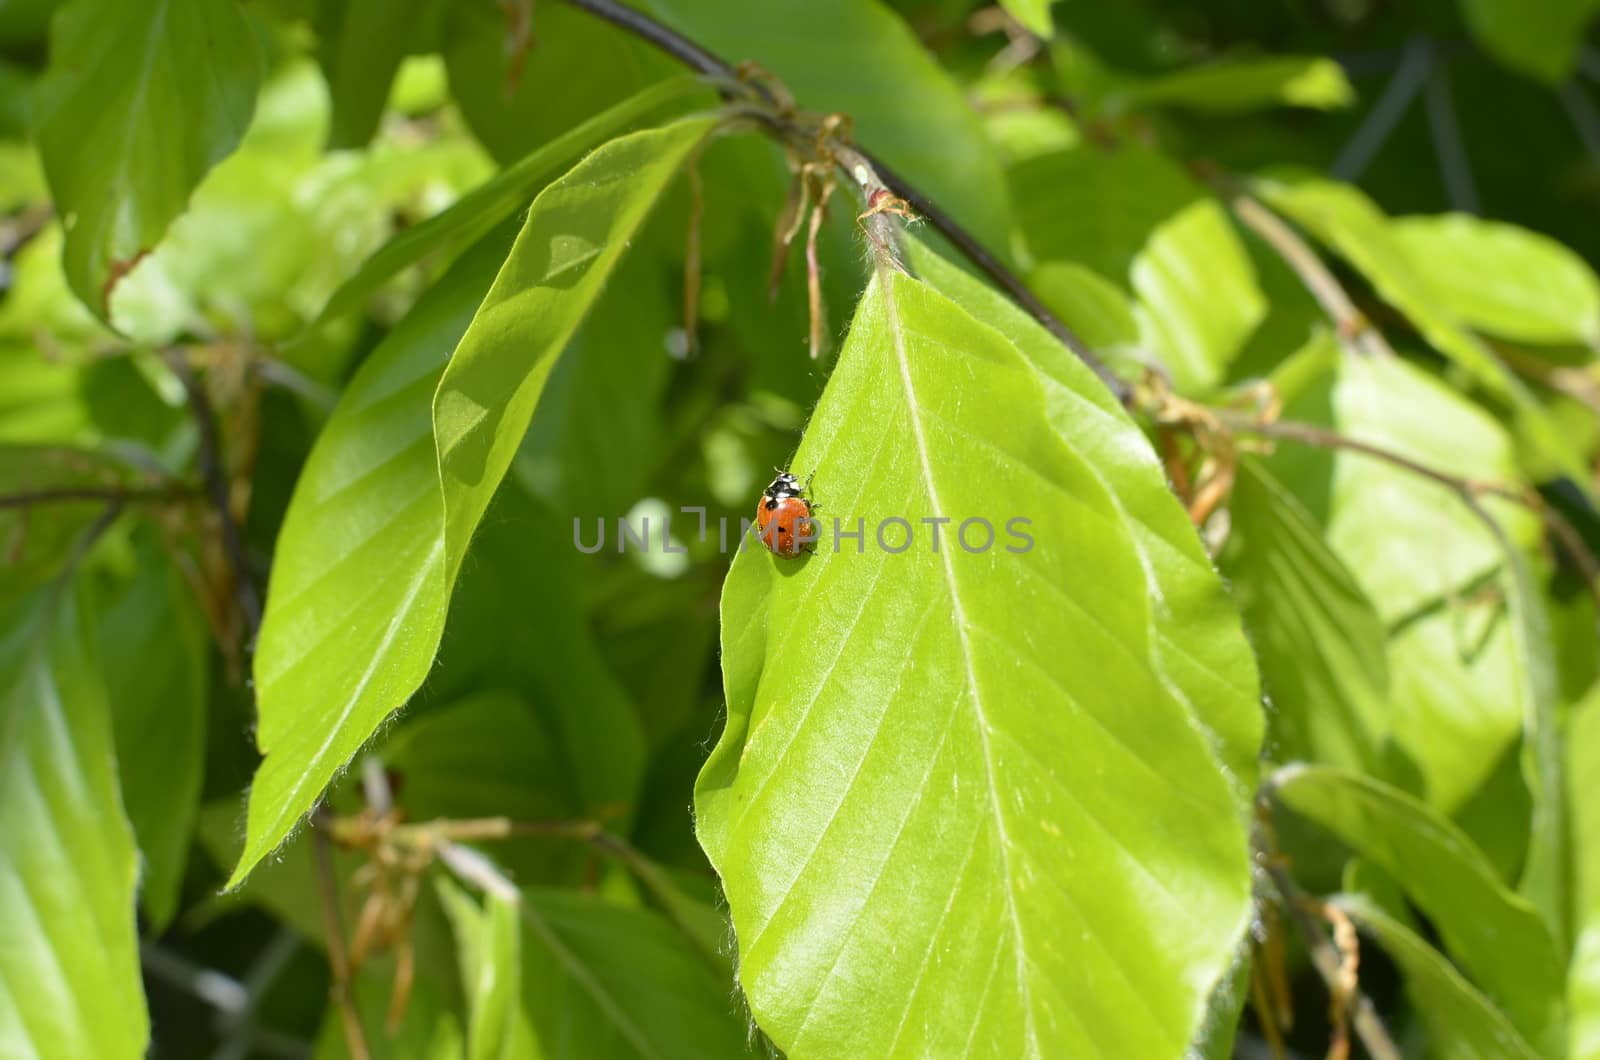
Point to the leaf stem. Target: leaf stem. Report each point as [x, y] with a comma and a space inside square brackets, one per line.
[333, 929]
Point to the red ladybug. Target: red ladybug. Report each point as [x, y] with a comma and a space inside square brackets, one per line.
[783, 517]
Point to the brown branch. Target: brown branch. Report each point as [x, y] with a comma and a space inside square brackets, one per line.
[850, 160]
[1328, 961]
[333, 928]
[1471, 491]
[1355, 331]
[215, 478]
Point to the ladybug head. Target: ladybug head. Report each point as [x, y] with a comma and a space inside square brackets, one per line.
[785, 485]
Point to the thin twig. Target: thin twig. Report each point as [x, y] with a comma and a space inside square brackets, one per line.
[1469, 490]
[333, 928]
[1328, 961]
[1355, 331]
[215, 477]
[698, 58]
[1454, 165]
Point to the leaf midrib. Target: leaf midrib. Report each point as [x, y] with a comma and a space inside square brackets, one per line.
[898, 341]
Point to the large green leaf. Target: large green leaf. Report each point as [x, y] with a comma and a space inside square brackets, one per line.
[69, 959]
[1142, 224]
[1495, 935]
[1502, 279]
[469, 218]
[1583, 977]
[858, 58]
[1462, 1023]
[932, 747]
[143, 97]
[1321, 645]
[368, 555]
[1349, 223]
[156, 652]
[1420, 555]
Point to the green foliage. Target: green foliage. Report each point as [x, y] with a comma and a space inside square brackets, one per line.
[384, 670]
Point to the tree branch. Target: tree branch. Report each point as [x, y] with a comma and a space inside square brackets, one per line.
[333, 928]
[1471, 491]
[850, 159]
[120, 495]
[215, 478]
[1354, 330]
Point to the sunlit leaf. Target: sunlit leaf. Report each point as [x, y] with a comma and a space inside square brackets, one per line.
[350, 632]
[915, 750]
[1583, 977]
[69, 958]
[1033, 14]
[1248, 84]
[1504, 280]
[489, 940]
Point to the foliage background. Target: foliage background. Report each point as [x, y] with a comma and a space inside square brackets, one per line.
[320, 321]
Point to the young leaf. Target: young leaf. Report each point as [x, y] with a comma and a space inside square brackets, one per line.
[474, 214]
[928, 788]
[489, 941]
[1495, 935]
[1247, 84]
[142, 98]
[368, 556]
[1462, 1023]
[69, 956]
[1504, 280]
[1350, 224]
[1427, 563]
[1321, 644]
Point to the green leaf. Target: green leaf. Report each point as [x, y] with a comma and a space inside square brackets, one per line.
[858, 58]
[519, 94]
[1321, 645]
[1247, 84]
[1541, 40]
[69, 960]
[361, 50]
[931, 748]
[142, 98]
[1033, 14]
[156, 653]
[1119, 200]
[1350, 224]
[467, 220]
[1583, 977]
[367, 557]
[1504, 280]
[1462, 1023]
[1099, 311]
[1199, 300]
[1420, 555]
[600, 982]
[1496, 936]
[489, 940]
[1139, 222]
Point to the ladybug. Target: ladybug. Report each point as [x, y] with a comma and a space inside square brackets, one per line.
[783, 517]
